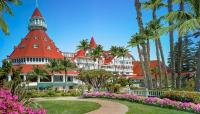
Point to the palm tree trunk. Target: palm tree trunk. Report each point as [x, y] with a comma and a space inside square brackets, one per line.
[140, 24]
[171, 36]
[197, 83]
[156, 81]
[98, 63]
[148, 49]
[38, 83]
[65, 79]
[163, 63]
[123, 65]
[179, 69]
[114, 65]
[159, 65]
[142, 66]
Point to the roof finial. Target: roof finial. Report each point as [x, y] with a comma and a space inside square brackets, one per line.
[36, 3]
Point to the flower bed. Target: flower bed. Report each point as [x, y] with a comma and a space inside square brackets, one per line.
[185, 106]
[9, 105]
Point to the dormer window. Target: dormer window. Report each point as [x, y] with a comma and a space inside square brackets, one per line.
[35, 45]
[36, 37]
[22, 46]
[49, 47]
[45, 39]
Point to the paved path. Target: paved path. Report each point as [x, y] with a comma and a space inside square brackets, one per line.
[107, 106]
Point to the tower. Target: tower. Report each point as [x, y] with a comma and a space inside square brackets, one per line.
[36, 48]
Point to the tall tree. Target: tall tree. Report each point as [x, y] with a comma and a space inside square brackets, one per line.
[136, 40]
[171, 37]
[67, 65]
[114, 51]
[154, 5]
[54, 66]
[123, 52]
[179, 68]
[4, 7]
[96, 54]
[84, 45]
[144, 50]
[39, 73]
[155, 26]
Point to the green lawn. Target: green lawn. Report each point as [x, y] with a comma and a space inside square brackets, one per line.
[68, 107]
[135, 108]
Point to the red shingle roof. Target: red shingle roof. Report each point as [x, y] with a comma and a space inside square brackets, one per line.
[27, 68]
[46, 47]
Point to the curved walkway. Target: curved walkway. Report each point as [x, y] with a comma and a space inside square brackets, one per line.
[107, 106]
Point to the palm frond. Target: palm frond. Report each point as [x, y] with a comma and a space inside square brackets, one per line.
[188, 26]
[4, 26]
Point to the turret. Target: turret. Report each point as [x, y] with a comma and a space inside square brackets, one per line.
[37, 21]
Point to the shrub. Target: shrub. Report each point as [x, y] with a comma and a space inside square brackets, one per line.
[51, 93]
[182, 96]
[10, 105]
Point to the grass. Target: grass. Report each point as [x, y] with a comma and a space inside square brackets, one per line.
[135, 108]
[80, 107]
[68, 107]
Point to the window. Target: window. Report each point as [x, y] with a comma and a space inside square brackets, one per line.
[45, 39]
[35, 45]
[58, 78]
[49, 47]
[47, 79]
[27, 59]
[69, 78]
[33, 59]
[36, 59]
[42, 59]
[22, 46]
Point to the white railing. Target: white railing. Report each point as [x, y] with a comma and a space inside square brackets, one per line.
[149, 93]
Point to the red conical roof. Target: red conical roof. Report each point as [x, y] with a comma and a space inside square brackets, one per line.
[93, 43]
[45, 47]
[36, 13]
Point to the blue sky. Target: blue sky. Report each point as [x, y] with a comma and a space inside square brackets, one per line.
[111, 22]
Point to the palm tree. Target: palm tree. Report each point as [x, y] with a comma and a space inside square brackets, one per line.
[155, 26]
[4, 7]
[154, 5]
[54, 65]
[178, 79]
[122, 53]
[67, 64]
[144, 52]
[136, 40]
[114, 51]
[84, 45]
[97, 53]
[155, 72]
[187, 23]
[171, 36]
[39, 73]
[7, 68]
